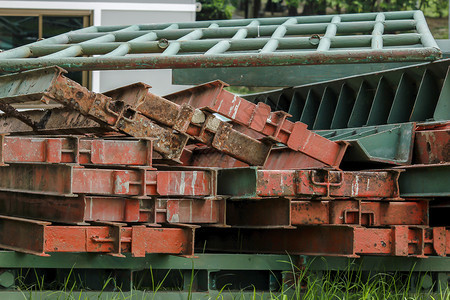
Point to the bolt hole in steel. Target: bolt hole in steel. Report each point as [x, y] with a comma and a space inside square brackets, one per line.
[314, 39]
[163, 43]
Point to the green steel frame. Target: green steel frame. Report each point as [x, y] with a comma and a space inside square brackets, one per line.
[408, 94]
[330, 39]
[264, 272]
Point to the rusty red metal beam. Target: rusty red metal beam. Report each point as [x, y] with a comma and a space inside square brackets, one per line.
[72, 210]
[284, 212]
[280, 158]
[335, 240]
[432, 146]
[202, 126]
[98, 107]
[259, 117]
[191, 211]
[60, 179]
[321, 183]
[51, 121]
[107, 238]
[82, 209]
[74, 149]
[365, 213]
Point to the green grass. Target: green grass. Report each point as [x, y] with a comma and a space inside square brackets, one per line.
[298, 284]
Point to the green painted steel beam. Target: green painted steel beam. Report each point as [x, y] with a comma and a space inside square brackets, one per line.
[347, 38]
[416, 93]
[14, 260]
[286, 75]
[391, 144]
[425, 181]
[11, 259]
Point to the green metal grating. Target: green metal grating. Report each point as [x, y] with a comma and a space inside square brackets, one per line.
[330, 39]
[409, 94]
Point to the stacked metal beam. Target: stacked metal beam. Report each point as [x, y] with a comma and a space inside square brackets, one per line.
[129, 171]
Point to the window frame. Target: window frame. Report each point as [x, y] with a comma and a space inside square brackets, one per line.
[40, 13]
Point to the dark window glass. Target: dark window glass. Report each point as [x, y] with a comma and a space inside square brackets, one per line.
[18, 31]
[54, 25]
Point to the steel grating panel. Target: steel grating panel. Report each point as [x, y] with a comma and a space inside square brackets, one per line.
[346, 38]
[409, 94]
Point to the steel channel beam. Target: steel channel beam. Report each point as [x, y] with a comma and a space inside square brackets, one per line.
[280, 158]
[211, 261]
[102, 109]
[66, 180]
[407, 94]
[72, 210]
[191, 211]
[427, 180]
[322, 183]
[51, 121]
[260, 118]
[432, 146]
[82, 209]
[283, 212]
[391, 144]
[74, 149]
[199, 125]
[113, 238]
[341, 240]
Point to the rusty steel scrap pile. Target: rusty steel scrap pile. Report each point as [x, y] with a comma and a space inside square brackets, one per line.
[206, 170]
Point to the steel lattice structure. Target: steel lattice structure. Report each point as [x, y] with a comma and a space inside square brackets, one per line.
[346, 38]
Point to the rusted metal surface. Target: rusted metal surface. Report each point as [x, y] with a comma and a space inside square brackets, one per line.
[200, 125]
[102, 109]
[280, 158]
[75, 149]
[252, 183]
[109, 238]
[191, 211]
[286, 212]
[51, 121]
[59, 179]
[432, 146]
[16, 88]
[359, 212]
[341, 240]
[70, 210]
[260, 118]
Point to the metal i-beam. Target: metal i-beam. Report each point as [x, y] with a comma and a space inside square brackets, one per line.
[253, 183]
[99, 108]
[60, 179]
[432, 146]
[341, 240]
[406, 94]
[82, 209]
[191, 211]
[202, 126]
[75, 150]
[72, 210]
[51, 121]
[285, 212]
[212, 96]
[391, 144]
[108, 238]
[280, 158]
[426, 180]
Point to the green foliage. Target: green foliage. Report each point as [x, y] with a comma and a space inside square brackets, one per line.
[435, 7]
[214, 10]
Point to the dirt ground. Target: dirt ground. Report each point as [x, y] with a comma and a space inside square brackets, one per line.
[438, 27]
